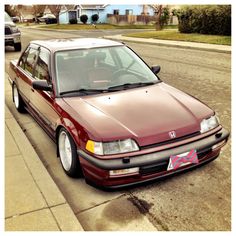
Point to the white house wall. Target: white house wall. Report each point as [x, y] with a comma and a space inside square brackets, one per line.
[109, 9]
[64, 18]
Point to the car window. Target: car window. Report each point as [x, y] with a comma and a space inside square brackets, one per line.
[31, 60]
[107, 58]
[23, 58]
[129, 61]
[41, 68]
[99, 68]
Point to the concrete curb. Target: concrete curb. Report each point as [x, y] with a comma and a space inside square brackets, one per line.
[172, 43]
[26, 213]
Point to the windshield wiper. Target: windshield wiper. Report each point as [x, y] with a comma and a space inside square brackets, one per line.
[84, 91]
[130, 85]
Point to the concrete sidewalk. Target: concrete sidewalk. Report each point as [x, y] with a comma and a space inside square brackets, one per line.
[33, 202]
[172, 43]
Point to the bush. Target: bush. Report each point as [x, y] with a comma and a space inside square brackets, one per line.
[95, 18]
[73, 21]
[84, 18]
[205, 19]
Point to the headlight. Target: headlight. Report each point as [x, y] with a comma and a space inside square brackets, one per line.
[208, 124]
[14, 29]
[108, 148]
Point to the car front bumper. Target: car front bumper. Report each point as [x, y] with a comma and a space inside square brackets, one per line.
[152, 165]
[11, 39]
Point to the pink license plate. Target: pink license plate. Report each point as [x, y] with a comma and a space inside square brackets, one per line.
[183, 159]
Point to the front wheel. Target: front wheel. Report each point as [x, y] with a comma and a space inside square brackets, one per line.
[68, 154]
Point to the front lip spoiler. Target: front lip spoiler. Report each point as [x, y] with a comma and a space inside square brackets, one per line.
[147, 159]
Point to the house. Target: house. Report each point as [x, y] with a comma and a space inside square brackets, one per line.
[26, 13]
[113, 14]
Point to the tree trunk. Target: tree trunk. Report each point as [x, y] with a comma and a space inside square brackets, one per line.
[158, 21]
[57, 16]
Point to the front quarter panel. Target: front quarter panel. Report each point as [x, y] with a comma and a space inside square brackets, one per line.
[71, 121]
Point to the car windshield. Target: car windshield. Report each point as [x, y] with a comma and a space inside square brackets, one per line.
[101, 69]
[7, 18]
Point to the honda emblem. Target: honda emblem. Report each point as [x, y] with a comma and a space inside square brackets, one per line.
[172, 134]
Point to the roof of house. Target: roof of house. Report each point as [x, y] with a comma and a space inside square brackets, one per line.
[93, 6]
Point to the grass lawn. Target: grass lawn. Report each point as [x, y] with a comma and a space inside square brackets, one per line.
[91, 27]
[174, 34]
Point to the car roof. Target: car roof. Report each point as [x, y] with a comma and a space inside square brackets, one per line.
[75, 43]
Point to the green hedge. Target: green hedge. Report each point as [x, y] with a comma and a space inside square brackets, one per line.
[84, 18]
[205, 19]
[73, 21]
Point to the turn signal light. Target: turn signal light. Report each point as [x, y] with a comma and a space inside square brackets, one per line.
[124, 172]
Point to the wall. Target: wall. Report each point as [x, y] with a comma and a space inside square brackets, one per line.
[63, 18]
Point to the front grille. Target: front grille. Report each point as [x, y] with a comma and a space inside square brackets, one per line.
[171, 140]
[201, 155]
[7, 30]
[155, 168]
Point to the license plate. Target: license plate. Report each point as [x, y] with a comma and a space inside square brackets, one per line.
[187, 158]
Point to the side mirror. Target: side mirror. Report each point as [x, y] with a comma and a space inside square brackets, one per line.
[41, 85]
[155, 69]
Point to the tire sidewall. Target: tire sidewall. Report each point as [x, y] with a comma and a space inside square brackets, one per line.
[14, 91]
[73, 171]
[21, 105]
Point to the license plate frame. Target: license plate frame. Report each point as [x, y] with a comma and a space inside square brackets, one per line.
[182, 159]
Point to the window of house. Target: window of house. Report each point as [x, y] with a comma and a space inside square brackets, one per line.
[41, 68]
[72, 15]
[129, 12]
[116, 12]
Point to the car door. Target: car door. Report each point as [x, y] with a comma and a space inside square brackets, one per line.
[43, 101]
[25, 71]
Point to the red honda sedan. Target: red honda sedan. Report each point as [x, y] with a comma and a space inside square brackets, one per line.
[113, 120]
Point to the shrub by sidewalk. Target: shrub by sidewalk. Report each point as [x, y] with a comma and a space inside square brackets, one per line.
[205, 19]
[177, 36]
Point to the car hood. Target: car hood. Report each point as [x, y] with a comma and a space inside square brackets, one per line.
[9, 23]
[146, 114]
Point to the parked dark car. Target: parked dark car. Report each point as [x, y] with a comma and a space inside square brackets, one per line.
[112, 118]
[51, 21]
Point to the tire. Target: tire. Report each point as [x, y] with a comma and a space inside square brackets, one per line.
[17, 99]
[68, 154]
[17, 47]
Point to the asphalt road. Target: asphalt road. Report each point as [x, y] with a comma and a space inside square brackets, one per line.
[197, 200]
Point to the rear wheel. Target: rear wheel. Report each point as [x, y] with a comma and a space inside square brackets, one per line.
[17, 99]
[68, 154]
[17, 47]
